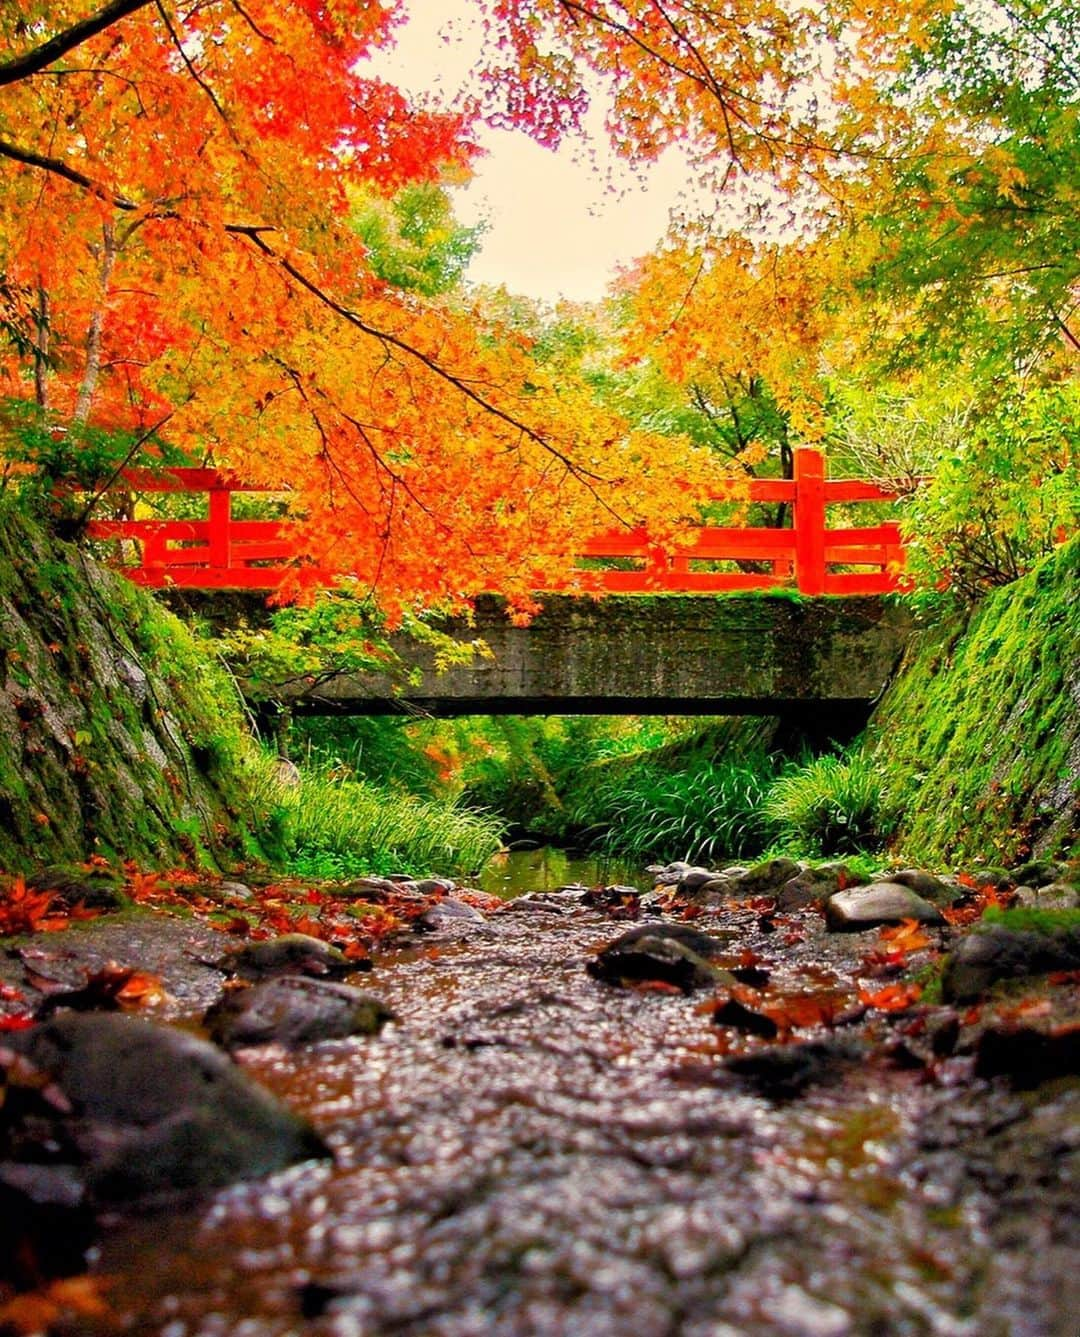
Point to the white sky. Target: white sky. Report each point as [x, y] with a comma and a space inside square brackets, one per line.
[556, 227]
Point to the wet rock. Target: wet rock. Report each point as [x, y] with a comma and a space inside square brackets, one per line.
[926, 885]
[669, 874]
[742, 1018]
[719, 890]
[1028, 1056]
[668, 953]
[694, 878]
[45, 1227]
[72, 889]
[783, 1072]
[1000, 953]
[293, 1010]
[366, 889]
[998, 878]
[293, 954]
[1049, 896]
[129, 1110]
[433, 886]
[880, 903]
[447, 912]
[812, 886]
[766, 878]
[1038, 873]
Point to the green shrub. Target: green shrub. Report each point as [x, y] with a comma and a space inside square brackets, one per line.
[832, 805]
[708, 811]
[343, 827]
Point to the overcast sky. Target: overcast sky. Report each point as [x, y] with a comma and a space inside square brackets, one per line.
[555, 225]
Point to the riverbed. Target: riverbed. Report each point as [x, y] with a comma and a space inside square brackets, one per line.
[529, 1152]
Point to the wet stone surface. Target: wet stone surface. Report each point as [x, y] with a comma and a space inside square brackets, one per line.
[531, 1152]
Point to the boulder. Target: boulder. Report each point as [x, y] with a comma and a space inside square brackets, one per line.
[128, 1110]
[1001, 953]
[783, 1072]
[813, 885]
[293, 1010]
[1050, 896]
[667, 953]
[766, 878]
[447, 913]
[879, 903]
[293, 954]
[1038, 873]
[926, 885]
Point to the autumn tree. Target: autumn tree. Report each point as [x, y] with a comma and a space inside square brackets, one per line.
[177, 258]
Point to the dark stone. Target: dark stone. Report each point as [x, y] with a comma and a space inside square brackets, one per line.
[668, 953]
[926, 885]
[880, 903]
[447, 912]
[432, 886]
[783, 1072]
[704, 944]
[812, 886]
[137, 1111]
[293, 1010]
[695, 878]
[1027, 1056]
[717, 891]
[293, 954]
[1000, 953]
[1049, 896]
[733, 1013]
[766, 878]
[1038, 873]
[45, 1226]
[70, 890]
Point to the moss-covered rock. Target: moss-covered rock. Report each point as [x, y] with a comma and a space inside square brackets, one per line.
[118, 735]
[979, 737]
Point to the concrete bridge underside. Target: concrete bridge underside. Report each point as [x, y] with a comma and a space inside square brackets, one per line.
[761, 655]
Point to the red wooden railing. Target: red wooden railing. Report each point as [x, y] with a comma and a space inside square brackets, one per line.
[221, 552]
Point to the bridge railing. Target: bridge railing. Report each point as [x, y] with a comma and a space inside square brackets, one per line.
[225, 552]
[802, 557]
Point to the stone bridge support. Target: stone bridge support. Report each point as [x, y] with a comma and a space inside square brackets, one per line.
[755, 655]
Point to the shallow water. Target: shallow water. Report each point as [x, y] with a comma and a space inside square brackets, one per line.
[514, 872]
[533, 1154]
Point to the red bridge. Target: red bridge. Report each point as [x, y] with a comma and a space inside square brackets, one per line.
[222, 552]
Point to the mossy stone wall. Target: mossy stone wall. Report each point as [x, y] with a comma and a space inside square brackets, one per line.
[979, 736]
[117, 736]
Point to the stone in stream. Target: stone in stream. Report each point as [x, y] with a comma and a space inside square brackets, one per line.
[448, 912]
[766, 878]
[1039, 873]
[880, 903]
[125, 1110]
[667, 953]
[1001, 953]
[1028, 1055]
[293, 1010]
[926, 885]
[783, 1072]
[1049, 896]
[293, 954]
[813, 885]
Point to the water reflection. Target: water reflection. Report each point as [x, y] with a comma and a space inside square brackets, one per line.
[513, 872]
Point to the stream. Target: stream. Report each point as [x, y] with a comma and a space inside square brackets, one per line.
[531, 1153]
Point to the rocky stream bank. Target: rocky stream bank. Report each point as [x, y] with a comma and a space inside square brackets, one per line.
[762, 1100]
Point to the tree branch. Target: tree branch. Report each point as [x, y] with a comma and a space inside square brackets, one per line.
[32, 62]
